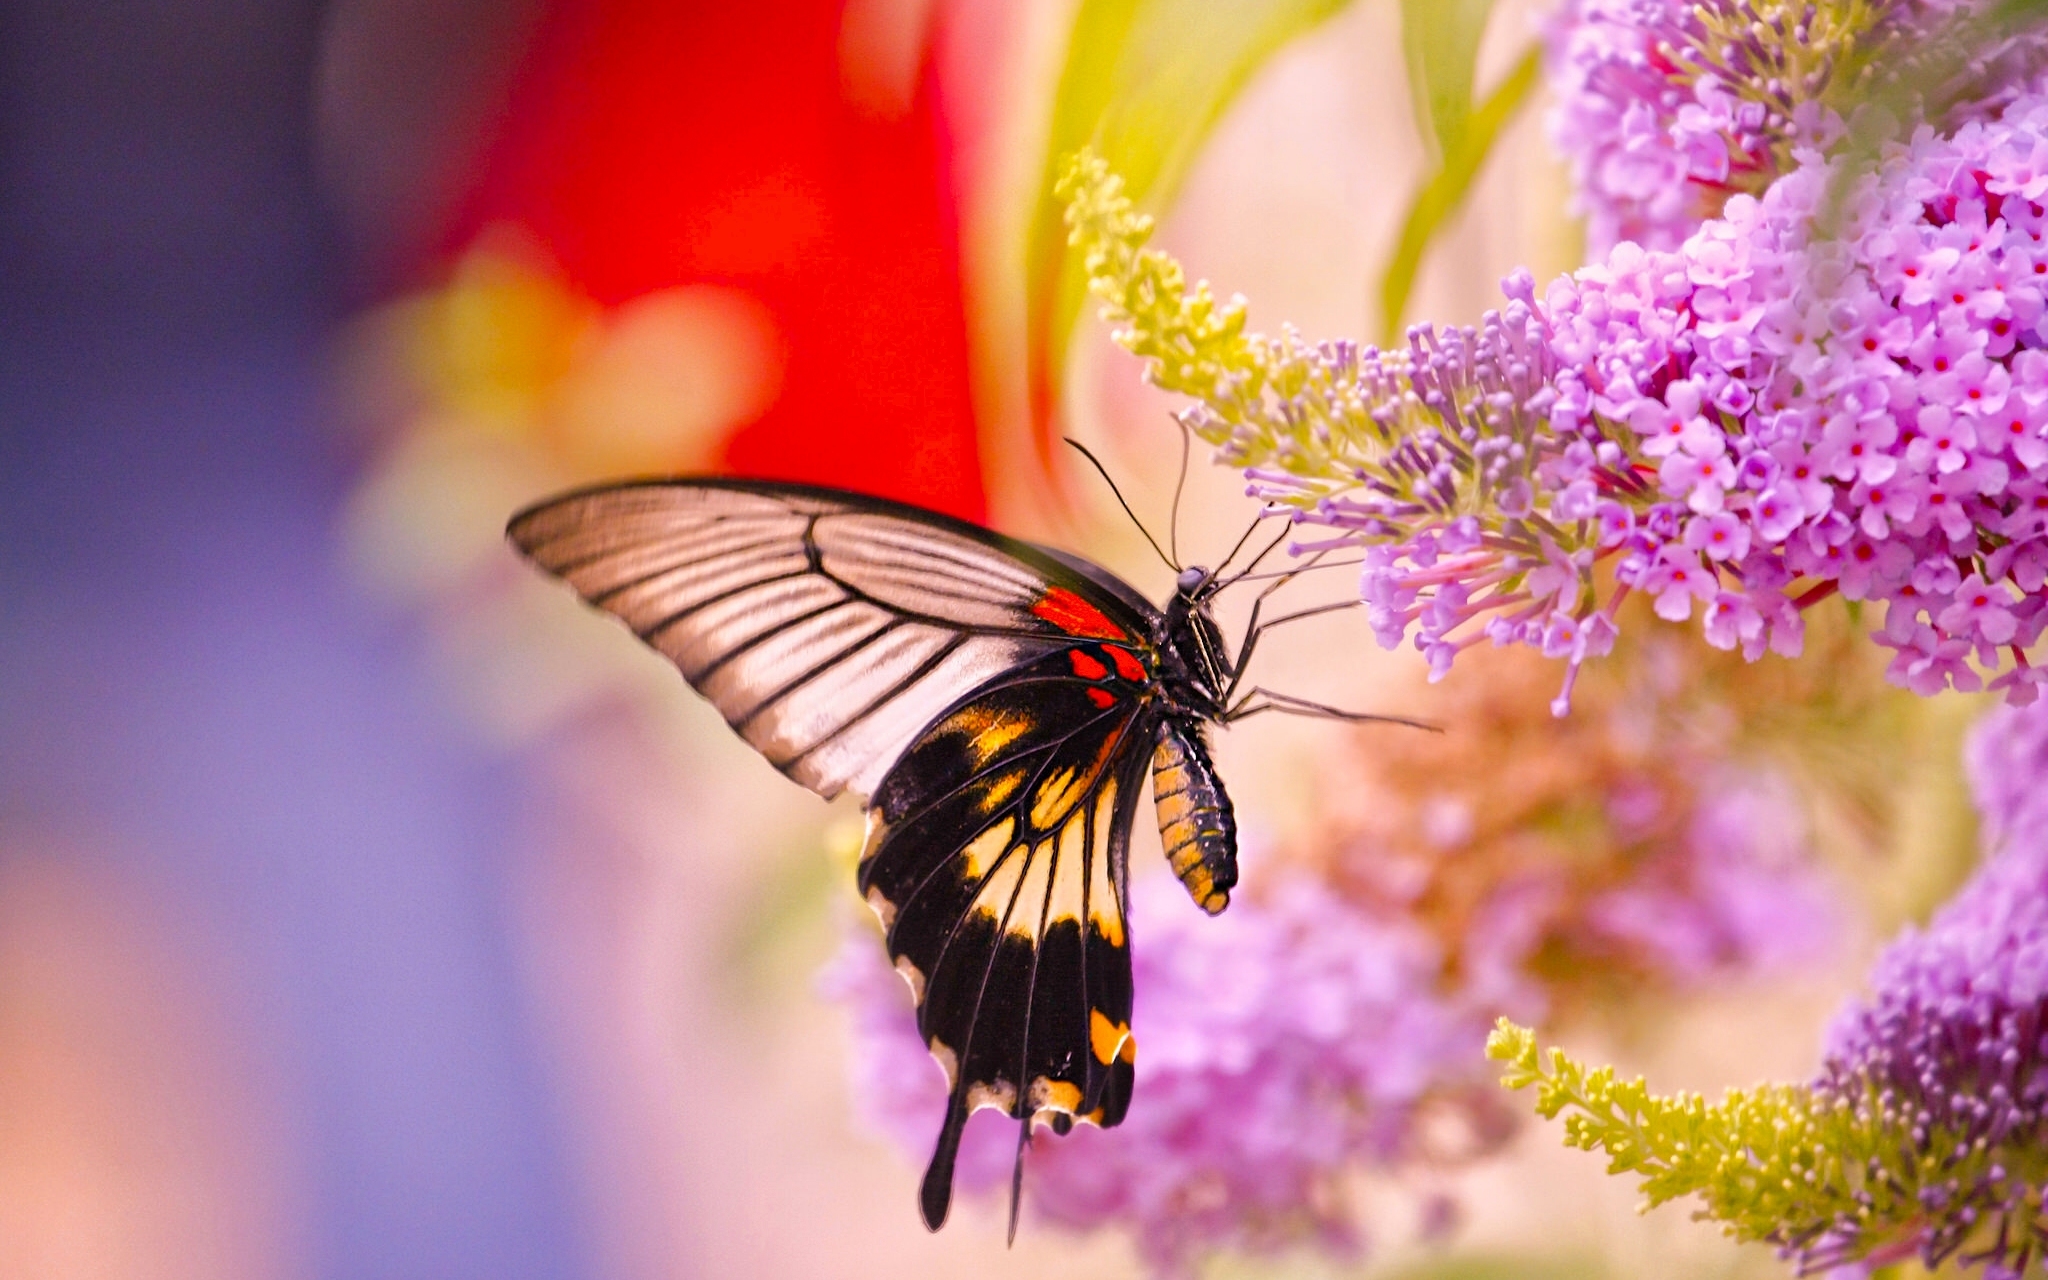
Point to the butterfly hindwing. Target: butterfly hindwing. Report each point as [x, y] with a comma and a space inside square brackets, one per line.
[828, 628]
[996, 861]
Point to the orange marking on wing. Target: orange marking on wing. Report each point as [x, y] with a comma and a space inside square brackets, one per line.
[1075, 616]
[1110, 1040]
[1128, 666]
[1085, 666]
[1103, 698]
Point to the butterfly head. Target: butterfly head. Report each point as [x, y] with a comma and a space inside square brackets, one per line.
[1196, 586]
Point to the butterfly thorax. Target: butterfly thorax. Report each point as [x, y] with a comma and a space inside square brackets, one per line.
[1194, 667]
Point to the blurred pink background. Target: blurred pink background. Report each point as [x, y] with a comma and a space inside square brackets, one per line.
[366, 909]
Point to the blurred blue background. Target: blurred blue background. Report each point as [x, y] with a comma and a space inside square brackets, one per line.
[197, 716]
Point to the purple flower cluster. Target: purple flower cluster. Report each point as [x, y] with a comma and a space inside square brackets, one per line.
[2007, 759]
[1666, 108]
[1868, 412]
[1283, 1046]
[1743, 426]
[1952, 1051]
[1653, 149]
[1740, 894]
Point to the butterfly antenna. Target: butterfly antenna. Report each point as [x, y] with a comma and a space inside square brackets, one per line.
[1104, 473]
[1256, 560]
[1017, 1180]
[1281, 577]
[1216, 574]
[1293, 569]
[1173, 521]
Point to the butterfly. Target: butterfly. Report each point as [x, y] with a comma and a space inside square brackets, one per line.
[997, 703]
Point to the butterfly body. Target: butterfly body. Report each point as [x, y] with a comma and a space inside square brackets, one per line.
[1000, 706]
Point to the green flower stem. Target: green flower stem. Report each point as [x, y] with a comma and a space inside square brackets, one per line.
[1279, 403]
[1775, 1163]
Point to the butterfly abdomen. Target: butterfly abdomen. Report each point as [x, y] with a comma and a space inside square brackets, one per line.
[1196, 826]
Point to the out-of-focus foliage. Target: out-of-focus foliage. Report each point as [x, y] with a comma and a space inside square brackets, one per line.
[1443, 192]
[1144, 83]
[1440, 40]
[1146, 80]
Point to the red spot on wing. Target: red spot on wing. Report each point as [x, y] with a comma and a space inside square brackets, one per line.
[1128, 666]
[1075, 616]
[1085, 666]
[1102, 698]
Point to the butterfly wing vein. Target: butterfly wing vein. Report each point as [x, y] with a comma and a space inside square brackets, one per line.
[828, 630]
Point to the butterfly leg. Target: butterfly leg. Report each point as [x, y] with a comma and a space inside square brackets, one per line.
[1258, 629]
[1288, 704]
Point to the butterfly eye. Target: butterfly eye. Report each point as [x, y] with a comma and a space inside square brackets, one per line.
[1191, 577]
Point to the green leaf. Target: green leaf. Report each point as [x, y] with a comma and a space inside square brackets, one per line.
[1144, 83]
[1446, 189]
[1440, 39]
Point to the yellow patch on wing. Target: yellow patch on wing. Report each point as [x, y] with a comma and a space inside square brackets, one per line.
[877, 831]
[997, 790]
[1028, 915]
[949, 1061]
[1105, 818]
[1048, 1094]
[1110, 1040]
[1070, 876]
[1000, 1094]
[981, 854]
[1104, 911]
[1000, 888]
[1056, 796]
[987, 730]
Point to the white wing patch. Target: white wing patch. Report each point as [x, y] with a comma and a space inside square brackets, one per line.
[826, 633]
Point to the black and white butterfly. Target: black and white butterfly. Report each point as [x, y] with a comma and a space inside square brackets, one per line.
[997, 703]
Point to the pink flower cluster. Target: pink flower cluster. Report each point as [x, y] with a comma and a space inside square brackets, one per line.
[1740, 894]
[1666, 108]
[1772, 413]
[1281, 1047]
[1651, 149]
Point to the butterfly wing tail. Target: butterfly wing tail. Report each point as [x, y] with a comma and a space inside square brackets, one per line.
[935, 1193]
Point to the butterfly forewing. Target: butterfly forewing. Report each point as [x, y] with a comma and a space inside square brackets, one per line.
[827, 628]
